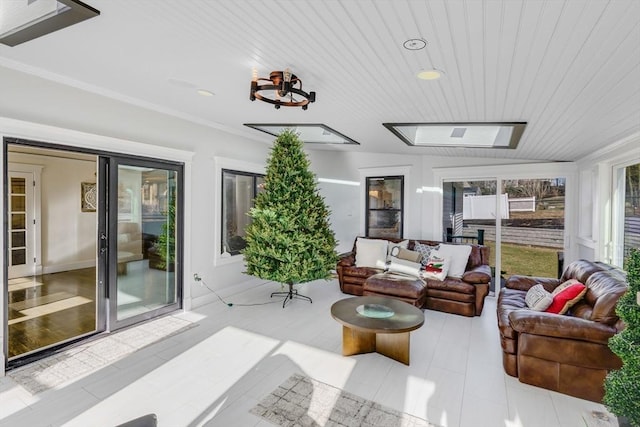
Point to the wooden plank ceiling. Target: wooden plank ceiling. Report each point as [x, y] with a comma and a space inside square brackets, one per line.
[570, 68]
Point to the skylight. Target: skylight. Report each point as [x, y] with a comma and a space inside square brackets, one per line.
[309, 133]
[466, 135]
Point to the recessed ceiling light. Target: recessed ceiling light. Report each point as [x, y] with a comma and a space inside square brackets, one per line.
[204, 92]
[430, 74]
[415, 44]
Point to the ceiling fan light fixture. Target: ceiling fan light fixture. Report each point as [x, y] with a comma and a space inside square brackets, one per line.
[282, 88]
[433, 74]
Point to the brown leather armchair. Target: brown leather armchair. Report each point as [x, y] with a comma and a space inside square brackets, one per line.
[566, 353]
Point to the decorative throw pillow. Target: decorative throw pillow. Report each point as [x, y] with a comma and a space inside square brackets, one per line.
[566, 298]
[425, 250]
[458, 256]
[392, 247]
[401, 253]
[403, 266]
[371, 253]
[437, 266]
[562, 286]
[537, 298]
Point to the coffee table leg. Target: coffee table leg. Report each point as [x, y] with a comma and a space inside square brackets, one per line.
[395, 346]
[357, 342]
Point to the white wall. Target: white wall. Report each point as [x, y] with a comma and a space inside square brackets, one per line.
[36, 109]
[347, 201]
[68, 235]
[596, 202]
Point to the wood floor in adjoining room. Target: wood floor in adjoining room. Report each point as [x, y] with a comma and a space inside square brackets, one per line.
[50, 309]
[213, 374]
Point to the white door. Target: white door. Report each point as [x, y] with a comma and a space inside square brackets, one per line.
[22, 224]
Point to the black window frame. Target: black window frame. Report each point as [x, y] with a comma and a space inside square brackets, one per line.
[255, 176]
[399, 210]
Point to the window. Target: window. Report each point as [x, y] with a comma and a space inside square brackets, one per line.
[384, 208]
[239, 190]
[626, 219]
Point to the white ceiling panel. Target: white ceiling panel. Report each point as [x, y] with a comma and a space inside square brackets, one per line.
[569, 68]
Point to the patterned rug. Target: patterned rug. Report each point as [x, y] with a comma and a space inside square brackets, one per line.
[305, 402]
[77, 362]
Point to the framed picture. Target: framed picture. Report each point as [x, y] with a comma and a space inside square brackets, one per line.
[88, 196]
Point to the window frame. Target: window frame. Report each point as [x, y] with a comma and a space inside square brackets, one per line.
[215, 207]
[254, 187]
[618, 211]
[400, 210]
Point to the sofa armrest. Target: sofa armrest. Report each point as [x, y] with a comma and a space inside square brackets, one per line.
[560, 326]
[347, 259]
[478, 275]
[524, 283]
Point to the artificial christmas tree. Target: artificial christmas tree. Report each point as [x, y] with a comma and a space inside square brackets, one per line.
[289, 239]
[622, 386]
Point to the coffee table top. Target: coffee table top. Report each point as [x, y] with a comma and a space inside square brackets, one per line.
[405, 316]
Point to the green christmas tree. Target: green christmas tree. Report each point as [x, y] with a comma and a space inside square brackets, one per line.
[622, 386]
[289, 239]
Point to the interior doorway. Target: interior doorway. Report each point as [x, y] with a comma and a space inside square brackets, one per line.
[94, 245]
[52, 297]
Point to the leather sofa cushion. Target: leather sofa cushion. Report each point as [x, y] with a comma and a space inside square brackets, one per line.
[361, 271]
[580, 270]
[508, 301]
[452, 284]
[450, 296]
[603, 293]
[480, 274]
[392, 284]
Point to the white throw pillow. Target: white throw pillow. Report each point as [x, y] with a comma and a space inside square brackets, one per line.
[398, 265]
[458, 256]
[537, 298]
[437, 266]
[371, 253]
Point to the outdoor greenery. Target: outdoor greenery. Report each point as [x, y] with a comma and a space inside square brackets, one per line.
[289, 239]
[527, 260]
[622, 386]
[166, 244]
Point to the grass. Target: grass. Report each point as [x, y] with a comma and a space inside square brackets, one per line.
[526, 260]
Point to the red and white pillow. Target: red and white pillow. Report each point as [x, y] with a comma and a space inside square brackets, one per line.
[566, 297]
[436, 267]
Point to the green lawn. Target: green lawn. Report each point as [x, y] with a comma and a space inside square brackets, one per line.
[526, 260]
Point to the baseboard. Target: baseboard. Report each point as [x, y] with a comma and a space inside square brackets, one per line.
[78, 265]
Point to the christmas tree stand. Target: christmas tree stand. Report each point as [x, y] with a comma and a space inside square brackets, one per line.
[293, 293]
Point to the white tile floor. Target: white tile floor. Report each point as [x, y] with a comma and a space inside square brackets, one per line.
[213, 374]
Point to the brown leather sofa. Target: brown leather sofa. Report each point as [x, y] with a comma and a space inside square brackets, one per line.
[566, 353]
[464, 296]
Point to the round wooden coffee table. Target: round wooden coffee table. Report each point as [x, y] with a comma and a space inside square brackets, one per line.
[377, 324]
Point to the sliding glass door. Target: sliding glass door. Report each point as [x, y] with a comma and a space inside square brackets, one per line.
[523, 223]
[143, 242]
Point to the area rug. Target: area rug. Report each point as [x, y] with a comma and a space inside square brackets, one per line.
[75, 363]
[305, 402]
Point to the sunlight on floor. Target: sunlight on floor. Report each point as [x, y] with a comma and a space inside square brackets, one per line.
[226, 356]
